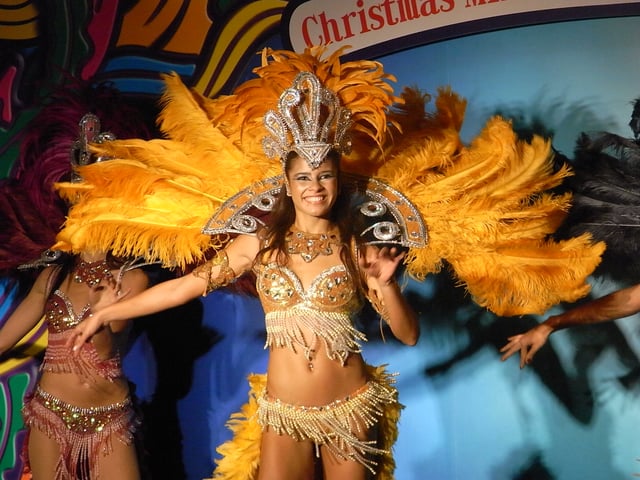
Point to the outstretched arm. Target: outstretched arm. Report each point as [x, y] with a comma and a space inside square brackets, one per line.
[27, 314]
[379, 267]
[165, 295]
[618, 304]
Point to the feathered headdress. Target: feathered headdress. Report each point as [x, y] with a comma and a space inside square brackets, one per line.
[486, 206]
[31, 213]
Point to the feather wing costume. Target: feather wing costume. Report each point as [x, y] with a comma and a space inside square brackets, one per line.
[606, 200]
[485, 206]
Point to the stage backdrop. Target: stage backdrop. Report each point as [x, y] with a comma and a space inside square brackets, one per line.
[559, 67]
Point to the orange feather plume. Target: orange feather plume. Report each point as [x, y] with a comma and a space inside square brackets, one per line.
[487, 205]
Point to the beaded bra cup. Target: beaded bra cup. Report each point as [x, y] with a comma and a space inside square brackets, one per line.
[60, 314]
[279, 288]
[61, 318]
[325, 309]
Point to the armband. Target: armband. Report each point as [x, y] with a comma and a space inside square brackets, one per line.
[225, 274]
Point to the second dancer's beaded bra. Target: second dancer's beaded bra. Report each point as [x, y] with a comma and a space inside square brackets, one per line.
[482, 209]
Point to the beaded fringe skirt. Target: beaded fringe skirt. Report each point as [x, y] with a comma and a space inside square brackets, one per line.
[333, 426]
[81, 433]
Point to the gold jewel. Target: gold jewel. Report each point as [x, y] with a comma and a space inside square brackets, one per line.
[92, 273]
[309, 120]
[224, 277]
[310, 245]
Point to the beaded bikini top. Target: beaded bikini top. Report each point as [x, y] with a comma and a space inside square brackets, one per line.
[326, 309]
[61, 318]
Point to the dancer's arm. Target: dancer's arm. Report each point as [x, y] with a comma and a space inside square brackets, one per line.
[27, 314]
[618, 304]
[165, 295]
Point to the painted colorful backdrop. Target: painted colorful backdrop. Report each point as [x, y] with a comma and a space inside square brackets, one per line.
[559, 67]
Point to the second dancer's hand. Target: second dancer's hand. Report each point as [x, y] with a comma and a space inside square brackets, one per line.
[84, 331]
[100, 297]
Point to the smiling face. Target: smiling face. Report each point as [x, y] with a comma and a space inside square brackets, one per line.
[313, 192]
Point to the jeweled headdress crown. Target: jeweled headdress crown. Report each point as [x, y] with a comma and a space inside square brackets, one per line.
[309, 121]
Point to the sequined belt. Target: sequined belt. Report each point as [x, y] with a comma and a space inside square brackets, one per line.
[80, 419]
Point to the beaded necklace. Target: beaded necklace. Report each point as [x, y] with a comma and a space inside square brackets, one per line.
[92, 273]
[310, 245]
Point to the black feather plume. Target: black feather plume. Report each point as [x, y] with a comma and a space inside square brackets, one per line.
[606, 199]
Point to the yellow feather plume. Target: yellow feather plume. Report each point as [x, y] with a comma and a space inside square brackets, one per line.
[363, 86]
[488, 211]
[241, 455]
[212, 150]
[486, 205]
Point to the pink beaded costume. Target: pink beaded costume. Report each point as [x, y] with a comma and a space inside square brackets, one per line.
[82, 433]
[61, 318]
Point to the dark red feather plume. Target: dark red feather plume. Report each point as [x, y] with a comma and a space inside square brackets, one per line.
[31, 213]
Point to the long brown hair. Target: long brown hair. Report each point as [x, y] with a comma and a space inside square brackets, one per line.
[283, 216]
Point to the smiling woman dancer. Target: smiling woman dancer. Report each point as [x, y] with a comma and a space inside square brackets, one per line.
[320, 396]
[324, 229]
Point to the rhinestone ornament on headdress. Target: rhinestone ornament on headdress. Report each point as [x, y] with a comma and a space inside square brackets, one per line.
[309, 121]
[80, 153]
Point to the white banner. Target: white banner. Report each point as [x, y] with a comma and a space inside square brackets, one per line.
[365, 23]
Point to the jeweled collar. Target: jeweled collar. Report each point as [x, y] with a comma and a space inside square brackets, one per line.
[91, 273]
[310, 245]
